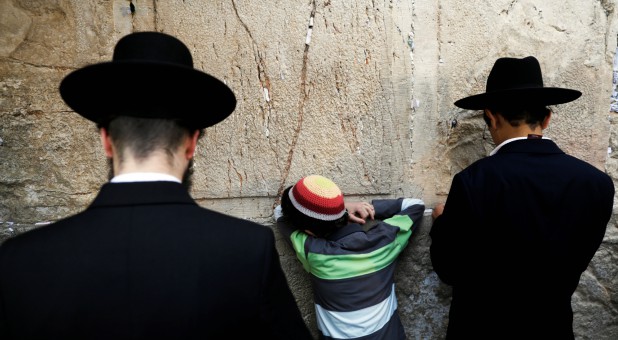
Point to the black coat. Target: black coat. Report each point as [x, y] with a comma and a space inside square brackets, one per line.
[144, 261]
[518, 230]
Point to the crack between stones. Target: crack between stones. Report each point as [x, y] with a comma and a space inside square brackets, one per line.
[52, 67]
[304, 95]
[155, 18]
[261, 65]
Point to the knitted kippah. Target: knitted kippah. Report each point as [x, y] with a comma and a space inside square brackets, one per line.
[318, 197]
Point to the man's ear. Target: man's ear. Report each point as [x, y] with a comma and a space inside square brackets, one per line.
[191, 144]
[493, 120]
[106, 141]
[545, 122]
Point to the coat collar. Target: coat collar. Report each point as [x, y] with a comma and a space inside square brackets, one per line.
[546, 146]
[141, 193]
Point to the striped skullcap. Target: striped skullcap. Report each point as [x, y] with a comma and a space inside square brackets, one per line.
[318, 197]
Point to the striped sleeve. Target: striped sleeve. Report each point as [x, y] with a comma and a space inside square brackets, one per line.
[401, 212]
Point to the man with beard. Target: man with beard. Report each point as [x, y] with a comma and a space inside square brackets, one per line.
[144, 260]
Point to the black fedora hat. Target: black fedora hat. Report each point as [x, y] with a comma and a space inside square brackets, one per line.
[151, 75]
[517, 82]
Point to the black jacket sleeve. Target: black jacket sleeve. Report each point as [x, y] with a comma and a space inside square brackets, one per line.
[279, 309]
[447, 234]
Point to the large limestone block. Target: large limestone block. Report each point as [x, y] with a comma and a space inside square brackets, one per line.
[314, 89]
[574, 44]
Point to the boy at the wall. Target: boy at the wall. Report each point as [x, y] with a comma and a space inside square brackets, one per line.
[351, 265]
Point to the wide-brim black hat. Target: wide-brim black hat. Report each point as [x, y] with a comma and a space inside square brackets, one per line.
[515, 82]
[151, 75]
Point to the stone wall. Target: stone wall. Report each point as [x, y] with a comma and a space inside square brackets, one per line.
[360, 91]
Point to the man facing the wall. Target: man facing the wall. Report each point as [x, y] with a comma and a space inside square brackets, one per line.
[520, 226]
[144, 260]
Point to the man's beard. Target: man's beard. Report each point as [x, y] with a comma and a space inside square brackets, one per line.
[110, 169]
[187, 177]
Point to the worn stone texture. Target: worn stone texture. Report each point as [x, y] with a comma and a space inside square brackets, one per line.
[368, 103]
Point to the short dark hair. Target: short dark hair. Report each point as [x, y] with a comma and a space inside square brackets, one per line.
[516, 115]
[298, 220]
[142, 136]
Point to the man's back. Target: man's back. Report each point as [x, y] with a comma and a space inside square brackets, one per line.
[529, 219]
[144, 261]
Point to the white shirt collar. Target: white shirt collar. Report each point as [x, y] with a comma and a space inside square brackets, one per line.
[144, 177]
[494, 151]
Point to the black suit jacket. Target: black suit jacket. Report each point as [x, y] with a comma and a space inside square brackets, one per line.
[518, 230]
[145, 261]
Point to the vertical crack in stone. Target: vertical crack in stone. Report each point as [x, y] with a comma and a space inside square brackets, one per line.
[261, 69]
[304, 95]
[261, 64]
[609, 31]
[155, 16]
[231, 166]
[132, 11]
[439, 32]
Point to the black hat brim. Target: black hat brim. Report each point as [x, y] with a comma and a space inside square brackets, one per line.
[149, 90]
[526, 97]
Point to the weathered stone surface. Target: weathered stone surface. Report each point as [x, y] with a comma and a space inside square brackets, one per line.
[368, 102]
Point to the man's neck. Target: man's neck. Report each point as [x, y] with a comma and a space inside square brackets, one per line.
[155, 163]
[508, 132]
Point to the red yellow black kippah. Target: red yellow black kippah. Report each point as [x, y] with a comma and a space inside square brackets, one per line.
[318, 197]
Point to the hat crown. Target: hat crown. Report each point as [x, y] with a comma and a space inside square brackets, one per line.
[151, 76]
[152, 47]
[318, 197]
[517, 83]
[513, 73]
